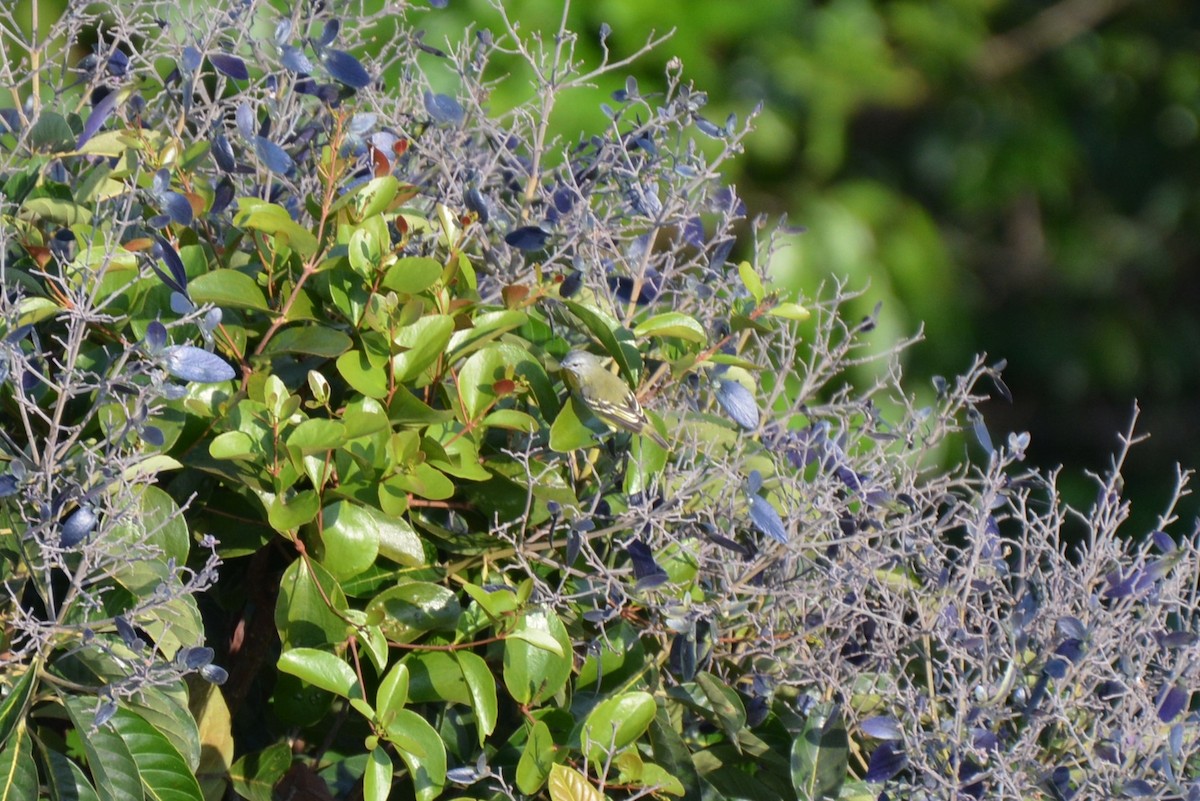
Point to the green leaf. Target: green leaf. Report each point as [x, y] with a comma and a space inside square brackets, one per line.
[537, 657]
[311, 340]
[415, 608]
[568, 432]
[820, 755]
[18, 770]
[424, 341]
[375, 196]
[65, 779]
[350, 538]
[398, 541]
[485, 327]
[255, 775]
[51, 132]
[377, 779]
[302, 613]
[268, 218]
[166, 710]
[285, 516]
[227, 289]
[751, 281]
[672, 324]
[232, 445]
[482, 685]
[790, 311]
[612, 335]
[392, 694]
[436, 676]
[15, 705]
[156, 525]
[363, 376]
[412, 275]
[210, 714]
[568, 784]
[672, 753]
[113, 770]
[537, 758]
[321, 669]
[615, 723]
[485, 367]
[428, 769]
[317, 436]
[724, 702]
[164, 773]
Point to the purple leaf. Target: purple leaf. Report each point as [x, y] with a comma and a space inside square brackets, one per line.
[882, 728]
[738, 402]
[196, 658]
[118, 64]
[99, 115]
[527, 237]
[190, 363]
[156, 336]
[273, 156]
[1173, 701]
[229, 65]
[294, 60]
[80, 524]
[329, 32]
[886, 761]
[767, 520]
[444, 108]
[214, 674]
[708, 128]
[223, 153]
[177, 279]
[191, 58]
[245, 119]
[177, 207]
[345, 68]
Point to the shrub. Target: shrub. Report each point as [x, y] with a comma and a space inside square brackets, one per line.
[275, 290]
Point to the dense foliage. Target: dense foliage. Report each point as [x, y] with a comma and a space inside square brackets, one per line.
[283, 417]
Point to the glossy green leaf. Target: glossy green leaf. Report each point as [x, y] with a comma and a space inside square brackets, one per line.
[393, 692]
[790, 311]
[485, 327]
[317, 435]
[671, 752]
[164, 773]
[537, 758]
[724, 702]
[287, 516]
[537, 657]
[310, 340]
[482, 685]
[611, 335]
[414, 608]
[364, 377]
[350, 538]
[568, 784]
[210, 715]
[233, 445]
[65, 780]
[15, 705]
[302, 614]
[321, 669]
[268, 218]
[568, 432]
[157, 530]
[480, 372]
[375, 196]
[377, 778]
[255, 775]
[436, 676]
[227, 289]
[820, 755]
[412, 275]
[18, 769]
[113, 769]
[426, 770]
[397, 540]
[751, 281]
[166, 710]
[672, 324]
[615, 723]
[421, 343]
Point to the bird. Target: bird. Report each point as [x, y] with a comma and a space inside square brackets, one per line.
[606, 395]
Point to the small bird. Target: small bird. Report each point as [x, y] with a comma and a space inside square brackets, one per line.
[607, 396]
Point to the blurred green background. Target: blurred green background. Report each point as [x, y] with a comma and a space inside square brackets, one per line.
[1021, 177]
